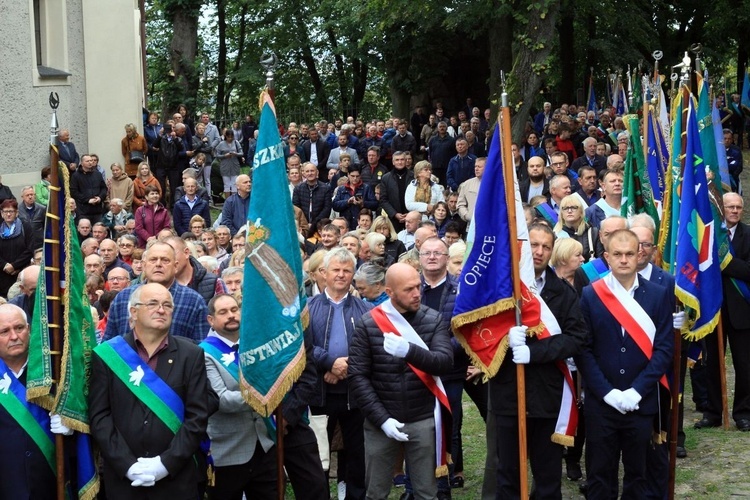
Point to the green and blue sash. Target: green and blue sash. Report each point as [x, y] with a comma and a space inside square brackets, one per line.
[595, 269]
[230, 360]
[33, 419]
[547, 212]
[143, 382]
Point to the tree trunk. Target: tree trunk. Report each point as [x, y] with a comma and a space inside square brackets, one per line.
[501, 55]
[340, 72]
[238, 59]
[221, 69]
[183, 50]
[531, 63]
[359, 83]
[567, 52]
[320, 92]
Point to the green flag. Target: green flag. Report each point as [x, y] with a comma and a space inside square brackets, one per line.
[637, 195]
[272, 351]
[671, 200]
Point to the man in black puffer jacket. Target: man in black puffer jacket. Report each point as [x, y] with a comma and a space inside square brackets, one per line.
[397, 405]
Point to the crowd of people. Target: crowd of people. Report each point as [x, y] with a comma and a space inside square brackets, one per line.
[382, 210]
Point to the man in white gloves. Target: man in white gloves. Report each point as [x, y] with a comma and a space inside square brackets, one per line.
[544, 356]
[628, 352]
[148, 403]
[397, 351]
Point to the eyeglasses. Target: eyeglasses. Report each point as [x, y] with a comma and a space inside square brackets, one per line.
[154, 305]
[569, 209]
[558, 164]
[117, 278]
[127, 245]
[432, 254]
[8, 212]
[728, 207]
[646, 245]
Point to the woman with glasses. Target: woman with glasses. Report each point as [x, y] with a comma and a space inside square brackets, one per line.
[197, 225]
[292, 147]
[125, 245]
[15, 244]
[572, 224]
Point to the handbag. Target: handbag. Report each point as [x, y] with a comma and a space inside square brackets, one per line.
[136, 157]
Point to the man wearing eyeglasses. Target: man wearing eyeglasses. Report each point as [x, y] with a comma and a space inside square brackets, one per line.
[149, 403]
[735, 281]
[190, 313]
[109, 253]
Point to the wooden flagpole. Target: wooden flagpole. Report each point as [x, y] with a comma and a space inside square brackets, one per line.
[268, 61]
[55, 325]
[722, 375]
[510, 198]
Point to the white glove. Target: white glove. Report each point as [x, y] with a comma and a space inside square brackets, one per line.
[391, 429]
[517, 336]
[138, 477]
[154, 467]
[630, 400]
[678, 320]
[614, 399]
[395, 345]
[521, 355]
[56, 426]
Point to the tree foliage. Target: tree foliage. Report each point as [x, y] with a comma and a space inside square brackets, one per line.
[376, 57]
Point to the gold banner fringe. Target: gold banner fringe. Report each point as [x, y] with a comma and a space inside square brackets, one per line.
[562, 439]
[441, 471]
[282, 387]
[482, 313]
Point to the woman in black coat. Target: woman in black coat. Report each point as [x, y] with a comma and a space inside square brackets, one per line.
[15, 245]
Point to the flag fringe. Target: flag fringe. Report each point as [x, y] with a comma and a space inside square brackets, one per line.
[483, 312]
[279, 390]
[695, 335]
[90, 490]
[563, 439]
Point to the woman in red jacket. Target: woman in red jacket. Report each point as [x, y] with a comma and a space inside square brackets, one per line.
[151, 217]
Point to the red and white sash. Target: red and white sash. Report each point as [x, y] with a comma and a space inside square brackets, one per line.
[567, 417]
[389, 320]
[629, 313]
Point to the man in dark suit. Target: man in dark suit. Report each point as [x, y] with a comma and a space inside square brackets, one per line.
[149, 452]
[628, 351]
[317, 151]
[67, 150]
[544, 380]
[393, 189]
[536, 183]
[25, 472]
[590, 159]
[735, 322]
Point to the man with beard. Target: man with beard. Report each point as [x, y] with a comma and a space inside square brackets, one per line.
[536, 184]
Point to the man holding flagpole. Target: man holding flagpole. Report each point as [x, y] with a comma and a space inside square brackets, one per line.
[27, 450]
[398, 351]
[548, 387]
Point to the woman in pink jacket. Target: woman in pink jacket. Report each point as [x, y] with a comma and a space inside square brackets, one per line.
[151, 217]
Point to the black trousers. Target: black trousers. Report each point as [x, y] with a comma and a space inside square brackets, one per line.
[544, 455]
[256, 478]
[609, 434]
[352, 431]
[739, 341]
[302, 464]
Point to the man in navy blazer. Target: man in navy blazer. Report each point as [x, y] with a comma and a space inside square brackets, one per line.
[67, 150]
[734, 319]
[621, 381]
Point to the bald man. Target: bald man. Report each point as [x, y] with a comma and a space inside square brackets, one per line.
[234, 212]
[391, 345]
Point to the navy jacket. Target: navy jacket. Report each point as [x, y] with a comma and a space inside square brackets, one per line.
[182, 213]
[612, 361]
[234, 212]
[319, 331]
[351, 212]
